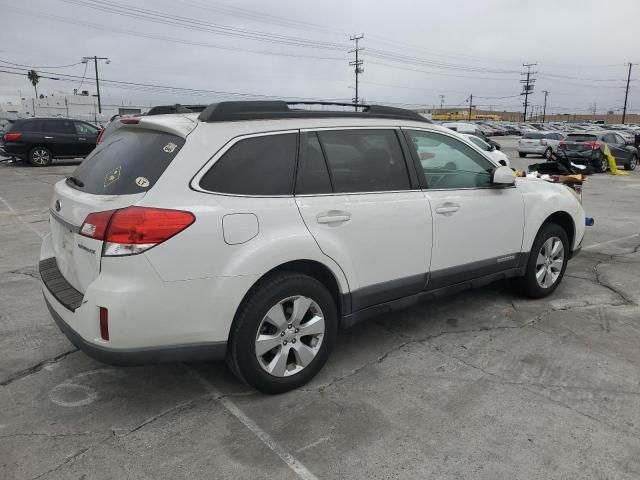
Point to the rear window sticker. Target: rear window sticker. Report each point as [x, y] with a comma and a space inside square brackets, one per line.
[112, 176]
[170, 147]
[142, 182]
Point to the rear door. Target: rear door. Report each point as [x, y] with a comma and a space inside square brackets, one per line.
[477, 229]
[86, 135]
[60, 135]
[115, 175]
[356, 197]
[619, 147]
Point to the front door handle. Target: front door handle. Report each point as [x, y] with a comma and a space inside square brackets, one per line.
[447, 208]
[333, 216]
[81, 138]
[48, 138]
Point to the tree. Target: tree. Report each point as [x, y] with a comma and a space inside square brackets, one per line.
[34, 78]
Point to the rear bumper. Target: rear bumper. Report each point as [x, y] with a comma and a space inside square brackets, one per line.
[14, 150]
[536, 150]
[140, 356]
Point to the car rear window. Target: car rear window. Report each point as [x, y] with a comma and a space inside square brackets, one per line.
[580, 137]
[533, 135]
[129, 161]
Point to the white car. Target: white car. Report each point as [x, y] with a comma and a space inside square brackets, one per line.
[499, 157]
[254, 232]
[539, 143]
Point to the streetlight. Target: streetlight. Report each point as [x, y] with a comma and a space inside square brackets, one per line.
[95, 63]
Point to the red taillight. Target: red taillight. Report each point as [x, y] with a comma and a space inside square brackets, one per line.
[133, 230]
[562, 145]
[130, 121]
[104, 323]
[543, 141]
[12, 137]
[593, 145]
[95, 225]
[99, 137]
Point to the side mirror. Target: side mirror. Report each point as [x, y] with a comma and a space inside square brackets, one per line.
[503, 177]
[491, 148]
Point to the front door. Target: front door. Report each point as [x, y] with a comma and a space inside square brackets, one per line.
[356, 198]
[477, 228]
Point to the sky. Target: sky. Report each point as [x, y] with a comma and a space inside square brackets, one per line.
[199, 51]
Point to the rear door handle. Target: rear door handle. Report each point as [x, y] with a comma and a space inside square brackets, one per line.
[447, 208]
[333, 216]
[48, 138]
[81, 138]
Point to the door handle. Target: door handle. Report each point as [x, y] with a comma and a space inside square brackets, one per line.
[447, 208]
[48, 138]
[333, 216]
[81, 138]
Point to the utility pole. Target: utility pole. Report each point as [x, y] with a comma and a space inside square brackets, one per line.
[470, 105]
[357, 64]
[95, 63]
[527, 87]
[544, 110]
[626, 94]
[441, 102]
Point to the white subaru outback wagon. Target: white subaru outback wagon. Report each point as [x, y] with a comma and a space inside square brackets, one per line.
[254, 231]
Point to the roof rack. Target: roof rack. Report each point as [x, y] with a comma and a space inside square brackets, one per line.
[177, 108]
[278, 109]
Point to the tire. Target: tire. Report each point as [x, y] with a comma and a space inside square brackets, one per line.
[522, 155]
[633, 163]
[535, 284]
[40, 157]
[271, 303]
[602, 164]
[547, 153]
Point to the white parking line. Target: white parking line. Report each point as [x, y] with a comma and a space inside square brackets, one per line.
[595, 245]
[233, 409]
[15, 212]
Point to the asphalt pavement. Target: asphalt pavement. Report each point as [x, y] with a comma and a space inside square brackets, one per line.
[484, 384]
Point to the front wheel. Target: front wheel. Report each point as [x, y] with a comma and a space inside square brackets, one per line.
[283, 333]
[547, 262]
[633, 163]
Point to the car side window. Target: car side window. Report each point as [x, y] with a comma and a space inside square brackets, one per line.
[85, 129]
[59, 126]
[32, 126]
[619, 139]
[364, 160]
[607, 138]
[262, 166]
[313, 175]
[448, 163]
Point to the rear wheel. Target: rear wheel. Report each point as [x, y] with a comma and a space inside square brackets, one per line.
[633, 163]
[603, 164]
[522, 155]
[40, 157]
[283, 333]
[547, 153]
[547, 262]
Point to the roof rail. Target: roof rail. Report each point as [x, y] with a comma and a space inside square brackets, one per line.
[279, 109]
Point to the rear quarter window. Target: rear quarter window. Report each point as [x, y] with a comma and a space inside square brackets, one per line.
[127, 162]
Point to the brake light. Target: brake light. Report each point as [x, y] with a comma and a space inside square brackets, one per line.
[95, 225]
[133, 230]
[12, 137]
[562, 145]
[130, 121]
[99, 137]
[543, 141]
[593, 145]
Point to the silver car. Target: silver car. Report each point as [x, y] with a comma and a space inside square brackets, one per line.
[539, 143]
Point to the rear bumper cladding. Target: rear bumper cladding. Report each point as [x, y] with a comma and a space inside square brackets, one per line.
[62, 290]
[194, 352]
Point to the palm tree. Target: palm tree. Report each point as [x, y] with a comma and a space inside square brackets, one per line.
[34, 78]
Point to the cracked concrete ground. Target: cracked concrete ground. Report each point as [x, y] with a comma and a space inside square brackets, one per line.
[484, 384]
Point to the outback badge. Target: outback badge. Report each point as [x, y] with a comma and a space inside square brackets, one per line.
[112, 176]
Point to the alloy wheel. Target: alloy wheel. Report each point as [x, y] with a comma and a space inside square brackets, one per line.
[289, 336]
[549, 262]
[40, 156]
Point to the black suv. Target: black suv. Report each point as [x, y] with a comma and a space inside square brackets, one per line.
[40, 140]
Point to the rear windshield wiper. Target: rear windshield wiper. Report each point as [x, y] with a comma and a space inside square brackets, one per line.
[75, 181]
